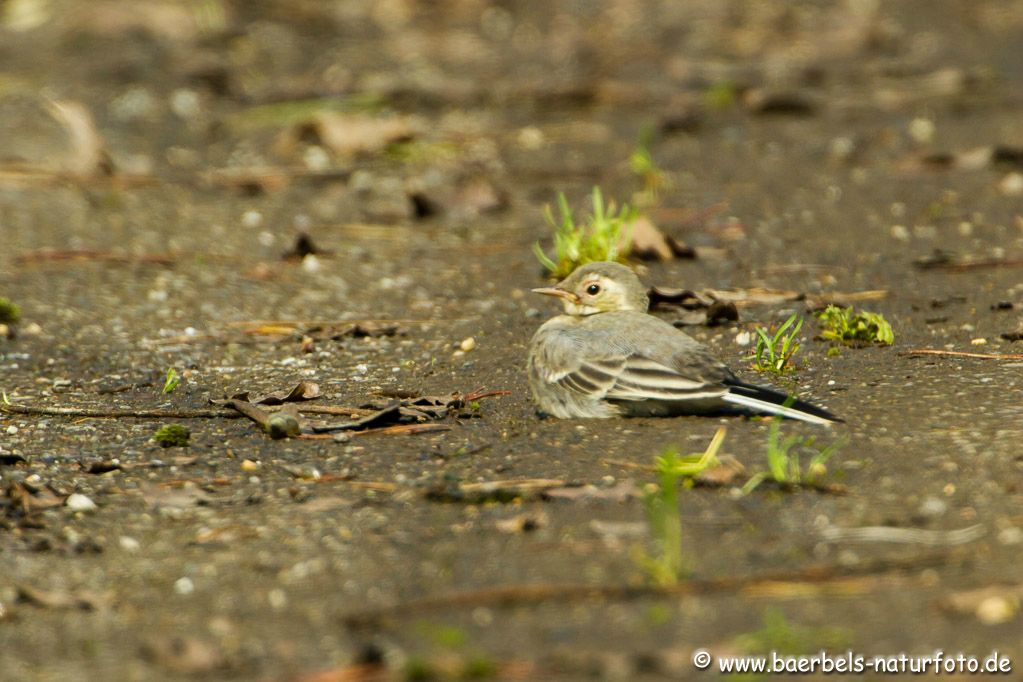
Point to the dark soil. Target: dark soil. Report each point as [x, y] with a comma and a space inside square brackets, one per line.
[818, 147]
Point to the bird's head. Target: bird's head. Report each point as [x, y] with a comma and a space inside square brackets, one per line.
[599, 288]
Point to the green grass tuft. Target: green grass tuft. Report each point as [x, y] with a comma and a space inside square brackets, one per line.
[783, 465]
[851, 327]
[665, 565]
[10, 313]
[172, 436]
[773, 353]
[603, 236]
[172, 381]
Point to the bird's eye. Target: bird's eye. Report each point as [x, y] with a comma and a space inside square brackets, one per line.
[593, 289]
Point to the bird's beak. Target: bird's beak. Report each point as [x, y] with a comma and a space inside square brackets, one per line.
[557, 291]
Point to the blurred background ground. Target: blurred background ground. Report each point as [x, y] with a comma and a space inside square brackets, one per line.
[158, 160]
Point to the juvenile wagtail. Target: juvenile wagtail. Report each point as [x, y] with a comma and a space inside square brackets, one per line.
[607, 357]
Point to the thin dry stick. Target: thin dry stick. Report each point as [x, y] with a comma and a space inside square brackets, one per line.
[336, 323]
[392, 430]
[962, 354]
[116, 413]
[515, 595]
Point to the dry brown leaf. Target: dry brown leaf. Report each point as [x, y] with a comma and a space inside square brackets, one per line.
[350, 135]
[648, 242]
[185, 655]
[55, 599]
[591, 493]
[303, 390]
[86, 155]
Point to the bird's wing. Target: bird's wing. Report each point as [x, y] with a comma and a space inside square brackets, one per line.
[641, 378]
[634, 378]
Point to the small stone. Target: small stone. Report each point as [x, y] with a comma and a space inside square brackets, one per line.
[996, 610]
[900, 232]
[978, 342]
[922, 130]
[1011, 185]
[342, 437]
[531, 138]
[184, 586]
[79, 503]
[277, 599]
[1011, 536]
[12, 430]
[468, 344]
[249, 465]
[932, 507]
[743, 339]
[129, 544]
[311, 263]
[252, 219]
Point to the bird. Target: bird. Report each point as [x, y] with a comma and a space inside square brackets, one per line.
[606, 356]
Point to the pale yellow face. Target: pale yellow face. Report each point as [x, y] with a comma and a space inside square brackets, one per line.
[598, 288]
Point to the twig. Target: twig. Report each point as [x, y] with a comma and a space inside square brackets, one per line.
[909, 536]
[335, 323]
[115, 414]
[43, 255]
[967, 265]
[516, 595]
[962, 354]
[392, 430]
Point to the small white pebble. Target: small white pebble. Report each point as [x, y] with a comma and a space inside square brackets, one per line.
[743, 338]
[79, 503]
[996, 610]
[129, 544]
[467, 344]
[932, 507]
[11, 430]
[531, 138]
[316, 158]
[361, 368]
[185, 103]
[978, 342]
[965, 228]
[184, 586]
[1011, 536]
[842, 147]
[1011, 184]
[922, 130]
[252, 219]
[266, 238]
[311, 263]
[900, 232]
[277, 599]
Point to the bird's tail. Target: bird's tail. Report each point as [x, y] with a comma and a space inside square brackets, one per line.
[764, 400]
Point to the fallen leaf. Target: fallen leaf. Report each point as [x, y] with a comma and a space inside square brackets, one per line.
[648, 242]
[87, 154]
[350, 135]
[185, 655]
[55, 599]
[304, 390]
[725, 473]
[590, 493]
